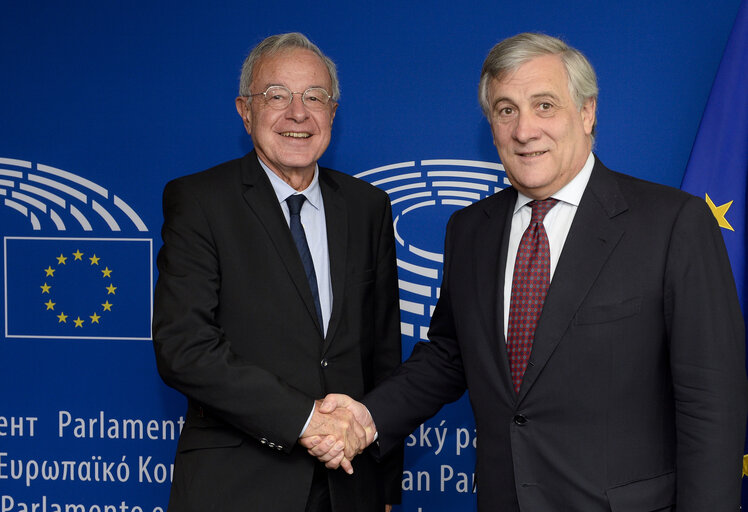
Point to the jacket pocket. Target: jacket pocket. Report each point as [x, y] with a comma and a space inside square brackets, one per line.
[196, 438]
[643, 495]
[602, 313]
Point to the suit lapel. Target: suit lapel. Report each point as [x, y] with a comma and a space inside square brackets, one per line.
[490, 270]
[261, 198]
[591, 239]
[336, 218]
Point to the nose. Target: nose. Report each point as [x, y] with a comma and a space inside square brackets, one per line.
[297, 110]
[526, 128]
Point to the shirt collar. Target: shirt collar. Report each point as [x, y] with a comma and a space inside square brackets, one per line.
[283, 190]
[571, 192]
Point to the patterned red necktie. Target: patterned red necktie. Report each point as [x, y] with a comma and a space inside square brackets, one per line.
[532, 275]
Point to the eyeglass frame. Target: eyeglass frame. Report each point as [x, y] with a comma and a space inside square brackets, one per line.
[291, 95]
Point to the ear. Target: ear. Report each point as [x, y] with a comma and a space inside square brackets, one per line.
[332, 114]
[243, 109]
[588, 115]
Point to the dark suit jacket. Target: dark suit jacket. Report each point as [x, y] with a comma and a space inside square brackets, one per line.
[235, 330]
[634, 398]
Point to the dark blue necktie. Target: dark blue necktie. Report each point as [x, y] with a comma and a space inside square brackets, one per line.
[294, 203]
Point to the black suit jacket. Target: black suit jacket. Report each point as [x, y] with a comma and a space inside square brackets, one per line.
[634, 398]
[235, 330]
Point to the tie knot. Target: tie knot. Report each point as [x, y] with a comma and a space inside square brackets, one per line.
[294, 203]
[541, 208]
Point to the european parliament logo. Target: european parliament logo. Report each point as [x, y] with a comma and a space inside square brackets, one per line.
[423, 195]
[70, 287]
[53, 199]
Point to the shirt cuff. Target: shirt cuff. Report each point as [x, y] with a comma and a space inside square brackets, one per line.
[309, 419]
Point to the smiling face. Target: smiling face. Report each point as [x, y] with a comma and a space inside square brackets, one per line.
[291, 140]
[543, 139]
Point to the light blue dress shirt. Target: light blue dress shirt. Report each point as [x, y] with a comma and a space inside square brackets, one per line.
[315, 229]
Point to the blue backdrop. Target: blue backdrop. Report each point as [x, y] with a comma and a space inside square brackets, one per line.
[104, 102]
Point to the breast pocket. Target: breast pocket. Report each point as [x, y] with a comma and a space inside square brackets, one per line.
[602, 313]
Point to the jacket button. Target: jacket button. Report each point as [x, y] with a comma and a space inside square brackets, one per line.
[323, 363]
[520, 419]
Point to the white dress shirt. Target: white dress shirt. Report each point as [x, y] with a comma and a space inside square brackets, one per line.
[557, 223]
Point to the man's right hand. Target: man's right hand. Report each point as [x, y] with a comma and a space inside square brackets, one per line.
[335, 434]
[335, 451]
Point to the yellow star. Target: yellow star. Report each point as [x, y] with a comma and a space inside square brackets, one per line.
[745, 465]
[94, 260]
[50, 305]
[63, 318]
[94, 318]
[61, 259]
[50, 271]
[78, 255]
[78, 322]
[110, 289]
[106, 272]
[719, 212]
[107, 306]
[45, 288]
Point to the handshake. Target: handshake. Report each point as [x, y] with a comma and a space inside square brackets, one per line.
[340, 429]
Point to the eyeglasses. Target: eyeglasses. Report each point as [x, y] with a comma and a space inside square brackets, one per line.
[279, 97]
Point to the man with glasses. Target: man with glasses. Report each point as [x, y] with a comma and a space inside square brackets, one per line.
[277, 285]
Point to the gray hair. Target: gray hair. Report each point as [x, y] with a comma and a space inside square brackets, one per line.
[511, 53]
[283, 42]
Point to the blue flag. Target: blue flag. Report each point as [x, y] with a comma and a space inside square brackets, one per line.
[78, 288]
[718, 167]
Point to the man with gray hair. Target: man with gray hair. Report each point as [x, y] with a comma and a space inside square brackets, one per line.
[592, 317]
[277, 285]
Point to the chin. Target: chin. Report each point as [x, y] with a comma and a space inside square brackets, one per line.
[298, 160]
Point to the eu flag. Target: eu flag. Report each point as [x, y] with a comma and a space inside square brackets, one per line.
[78, 288]
[718, 167]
